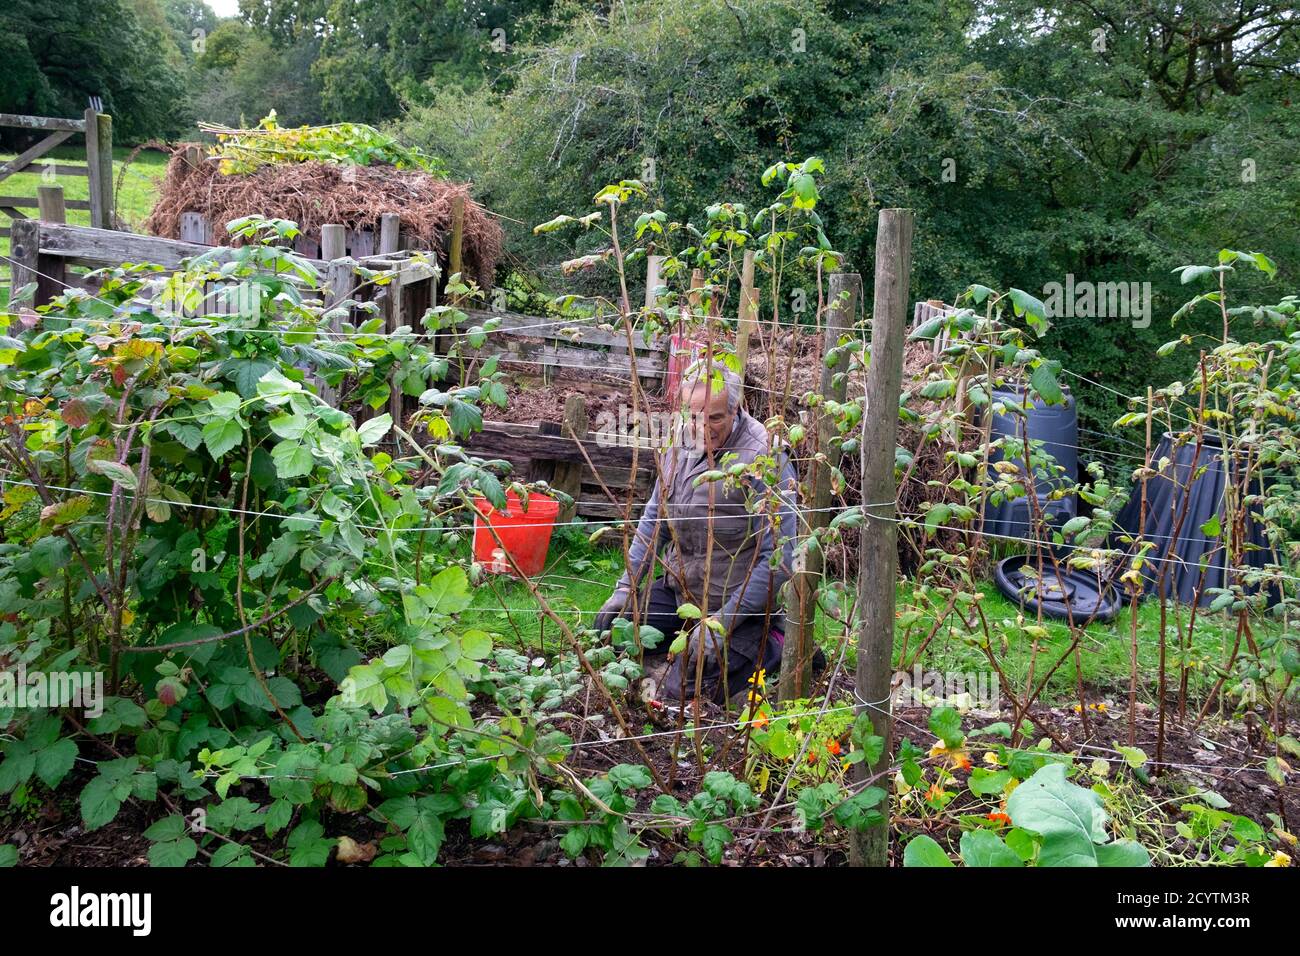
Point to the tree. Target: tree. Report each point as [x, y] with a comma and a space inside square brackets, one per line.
[63, 54]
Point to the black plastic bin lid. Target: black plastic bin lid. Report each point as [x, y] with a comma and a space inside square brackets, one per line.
[1074, 592]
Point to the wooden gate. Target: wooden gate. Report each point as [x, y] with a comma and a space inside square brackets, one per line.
[98, 171]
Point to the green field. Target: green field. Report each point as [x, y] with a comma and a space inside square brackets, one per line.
[578, 579]
[134, 199]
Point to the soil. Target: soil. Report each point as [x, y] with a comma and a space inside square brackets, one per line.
[1223, 757]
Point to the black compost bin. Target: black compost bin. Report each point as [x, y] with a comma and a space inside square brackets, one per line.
[1057, 427]
[1165, 502]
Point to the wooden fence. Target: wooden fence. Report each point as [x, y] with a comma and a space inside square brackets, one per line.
[98, 170]
[50, 253]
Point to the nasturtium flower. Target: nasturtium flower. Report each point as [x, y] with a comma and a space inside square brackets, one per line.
[1279, 859]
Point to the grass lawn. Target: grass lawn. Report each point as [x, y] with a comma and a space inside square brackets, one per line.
[578, 578]
[134, 200]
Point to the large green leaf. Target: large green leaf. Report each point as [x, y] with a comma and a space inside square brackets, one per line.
[1070, 820]
[923, 851]
[985, 848]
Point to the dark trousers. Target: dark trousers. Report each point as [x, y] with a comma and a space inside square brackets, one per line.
[745, 644]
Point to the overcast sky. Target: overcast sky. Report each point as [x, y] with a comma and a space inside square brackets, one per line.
[224, 8]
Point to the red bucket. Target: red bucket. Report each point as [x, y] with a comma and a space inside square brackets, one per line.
[525, 535]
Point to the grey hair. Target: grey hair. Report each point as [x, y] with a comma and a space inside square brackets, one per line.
[695, 377]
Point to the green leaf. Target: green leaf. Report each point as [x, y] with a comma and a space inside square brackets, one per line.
[447, 591]
[292, 459]
[374, 429]
[99, 802]
[1043, 381]
[985, 782]
[8, 855]
[291, 426]
[1212, 528]
[274, 389]
[630, 776]
[119, 473]
[923, 851]
[54, 762]
[945, 723]
[985, 848]
[1069, 818]
[222, 435]
[1123, 853]
[225, 404]
[173, 852]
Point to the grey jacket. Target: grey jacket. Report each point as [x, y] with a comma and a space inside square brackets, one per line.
[747, 567]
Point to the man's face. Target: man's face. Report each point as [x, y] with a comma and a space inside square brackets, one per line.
[709, 407]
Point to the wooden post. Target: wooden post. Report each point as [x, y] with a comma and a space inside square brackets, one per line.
[748, 315]
[97, 215]
[49, 200]
[801, 614]
[338, 278]
[99, 168]
[333, 242]
[54, 278]
[24, 256]
[878, 550]
[454, 250]
[653, 279]
[568, 474]
[390, 226]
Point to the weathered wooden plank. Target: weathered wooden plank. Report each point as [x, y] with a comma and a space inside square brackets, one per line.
[588, 333]
[508, 440]
[20, 162]
[550, 352]
[361, 243]
[100, 246]
[56, 169]
[196, 228]
[42, 122]
[30, 202]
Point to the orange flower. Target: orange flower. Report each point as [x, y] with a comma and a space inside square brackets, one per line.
[812, 756]
[833, 746]
[1000, 818]
[935, 792]
[960, 760]
[760, 721]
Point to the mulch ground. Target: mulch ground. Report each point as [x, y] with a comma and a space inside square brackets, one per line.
[1223, 757]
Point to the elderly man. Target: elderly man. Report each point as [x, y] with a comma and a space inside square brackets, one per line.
[716, 545]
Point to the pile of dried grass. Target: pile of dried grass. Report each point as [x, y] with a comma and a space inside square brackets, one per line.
[313, 194]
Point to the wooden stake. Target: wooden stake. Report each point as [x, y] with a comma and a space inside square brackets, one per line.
[568, 474]
[878, 551]
[390, 226]
[454, 250]
[748, 318]
[49, 200]
[801, 614]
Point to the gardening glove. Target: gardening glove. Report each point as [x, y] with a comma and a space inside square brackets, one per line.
[610, 610]
[706, 642]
